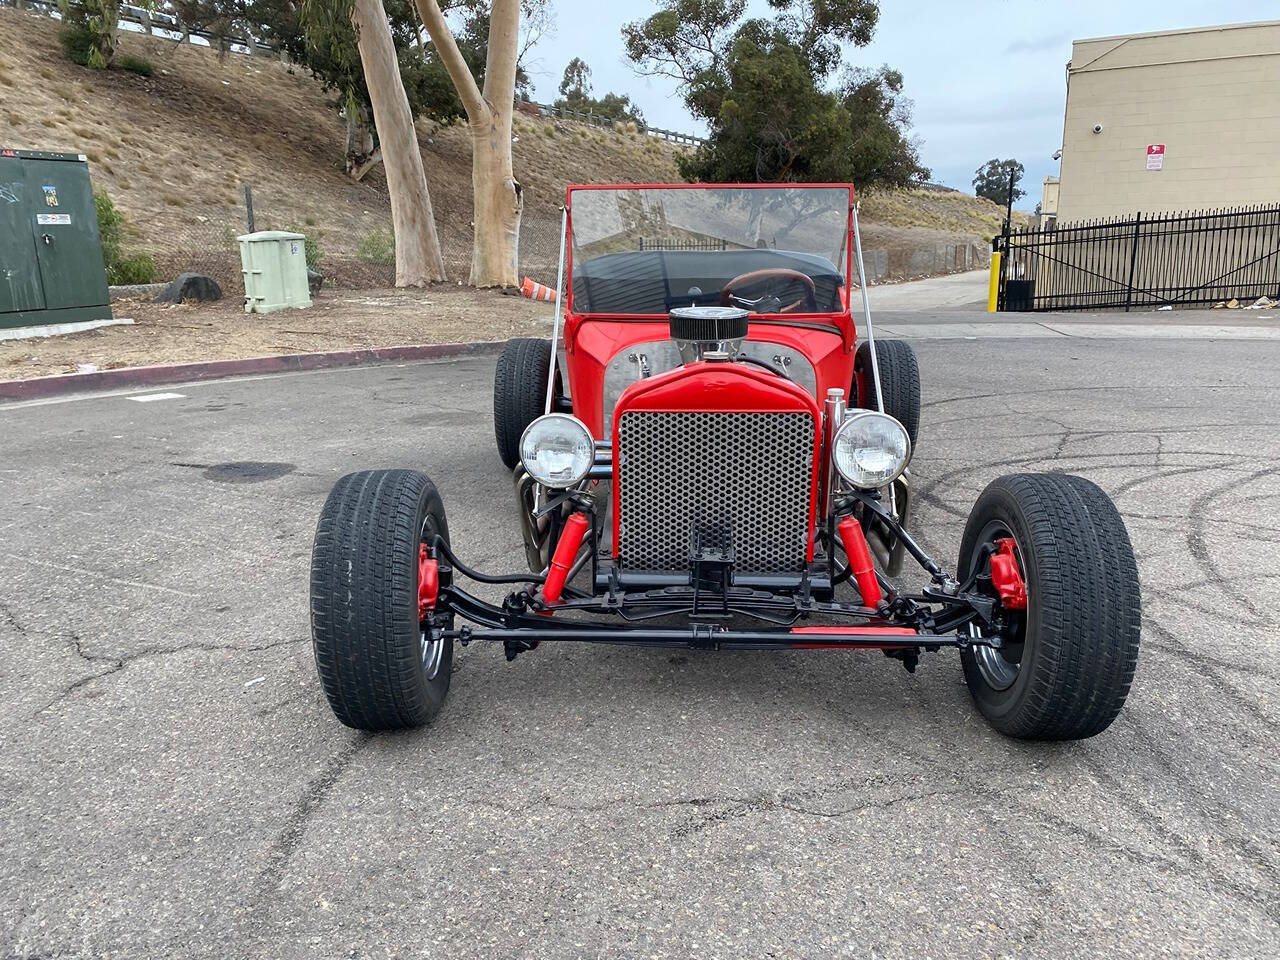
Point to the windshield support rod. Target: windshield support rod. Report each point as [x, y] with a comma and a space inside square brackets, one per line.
[555, 326]
[866, 312]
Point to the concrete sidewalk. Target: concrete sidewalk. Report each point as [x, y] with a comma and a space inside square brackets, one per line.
[956, 291]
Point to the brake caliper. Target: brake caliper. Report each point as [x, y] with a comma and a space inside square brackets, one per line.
[428, 582]
[1006, 577]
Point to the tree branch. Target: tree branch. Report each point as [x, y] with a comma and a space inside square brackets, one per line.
[472, 100]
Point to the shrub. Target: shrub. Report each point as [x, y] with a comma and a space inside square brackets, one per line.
[377, 246]
[77, 42]
[140, 268]
[138, 65]
[88, 35]
[110, 225]
[311, 249]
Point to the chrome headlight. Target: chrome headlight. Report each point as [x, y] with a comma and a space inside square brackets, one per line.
[871, 449]
[557, 450]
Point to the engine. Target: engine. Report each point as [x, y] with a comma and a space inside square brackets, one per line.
[716, 458]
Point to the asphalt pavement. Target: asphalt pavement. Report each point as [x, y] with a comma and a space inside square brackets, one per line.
[172, 783]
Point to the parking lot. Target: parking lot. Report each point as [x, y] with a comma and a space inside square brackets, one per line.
[172, 783]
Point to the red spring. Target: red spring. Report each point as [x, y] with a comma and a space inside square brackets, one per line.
[864, 571]
[1006, 577]
[575, 528]
[428, 582]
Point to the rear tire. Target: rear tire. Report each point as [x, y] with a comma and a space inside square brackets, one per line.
[375, 666]
[519, 393]
[899, 379]
[1076, 645]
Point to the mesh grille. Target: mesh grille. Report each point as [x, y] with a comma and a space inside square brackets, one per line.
[739, 476]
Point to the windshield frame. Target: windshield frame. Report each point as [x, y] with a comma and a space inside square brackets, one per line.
[790, 318]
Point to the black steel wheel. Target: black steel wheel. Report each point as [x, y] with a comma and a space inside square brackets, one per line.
[379, 665]
[519, 392]
[899, 379]
[1070, 656]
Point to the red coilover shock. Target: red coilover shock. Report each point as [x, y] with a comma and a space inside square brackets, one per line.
[860, 565]
[575, 528]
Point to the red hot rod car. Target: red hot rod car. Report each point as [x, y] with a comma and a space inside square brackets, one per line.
[706, 456]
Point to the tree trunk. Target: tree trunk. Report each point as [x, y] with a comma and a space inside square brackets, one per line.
[495, 192]
[418, 259]
[361, 152]
[498, 205]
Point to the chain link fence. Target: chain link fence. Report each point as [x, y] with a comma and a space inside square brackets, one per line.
[347, 257]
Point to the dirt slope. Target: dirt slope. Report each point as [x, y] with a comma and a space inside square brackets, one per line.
[173, 150]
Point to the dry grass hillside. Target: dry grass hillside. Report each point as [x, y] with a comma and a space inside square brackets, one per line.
[174, 149]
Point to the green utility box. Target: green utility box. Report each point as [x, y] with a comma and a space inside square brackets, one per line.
[274, 264]
[50, 252]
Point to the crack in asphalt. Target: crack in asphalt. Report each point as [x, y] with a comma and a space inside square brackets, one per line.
[116, 664]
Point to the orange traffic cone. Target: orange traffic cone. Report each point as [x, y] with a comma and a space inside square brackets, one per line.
[536, 291]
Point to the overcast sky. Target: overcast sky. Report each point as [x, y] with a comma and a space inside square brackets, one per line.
[986, 76]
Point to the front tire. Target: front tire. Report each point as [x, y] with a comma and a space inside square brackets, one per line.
[378, 668]
[1070, 656]
[899, 379]
[519, 392]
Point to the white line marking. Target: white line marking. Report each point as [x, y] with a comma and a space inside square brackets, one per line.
[102, 576]
[253, 681]
[147, 398]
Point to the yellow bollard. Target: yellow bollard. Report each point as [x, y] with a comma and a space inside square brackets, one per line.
[993, 285]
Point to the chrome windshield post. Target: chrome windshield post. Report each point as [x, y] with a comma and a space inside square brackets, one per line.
[555, 325]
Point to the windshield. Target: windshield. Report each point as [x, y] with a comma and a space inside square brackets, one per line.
[646, 250]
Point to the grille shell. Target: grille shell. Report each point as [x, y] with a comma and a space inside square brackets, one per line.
[750, 473]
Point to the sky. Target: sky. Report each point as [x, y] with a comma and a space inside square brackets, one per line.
[987, 77]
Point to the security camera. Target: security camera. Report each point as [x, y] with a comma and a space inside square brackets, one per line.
[1097, 128]
[1057, 155]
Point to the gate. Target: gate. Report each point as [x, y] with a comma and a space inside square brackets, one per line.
[1177, 259]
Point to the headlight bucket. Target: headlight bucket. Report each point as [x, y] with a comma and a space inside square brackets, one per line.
[557, 450]
[871, 449]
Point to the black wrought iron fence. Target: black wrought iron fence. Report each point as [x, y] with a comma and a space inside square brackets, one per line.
[683, 243]
[1166, 259]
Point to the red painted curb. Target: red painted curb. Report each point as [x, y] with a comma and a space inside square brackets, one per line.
[62, 384]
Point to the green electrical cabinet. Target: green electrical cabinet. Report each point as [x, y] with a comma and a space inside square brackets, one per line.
[50, 252]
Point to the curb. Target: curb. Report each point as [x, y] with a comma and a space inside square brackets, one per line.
[68, 383]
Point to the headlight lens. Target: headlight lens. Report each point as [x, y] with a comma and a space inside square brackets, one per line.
[871, 449]
[557, 450]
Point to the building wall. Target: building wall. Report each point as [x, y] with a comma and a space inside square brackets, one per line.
[1211, 96]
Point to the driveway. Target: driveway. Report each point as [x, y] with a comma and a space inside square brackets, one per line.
[172, 783]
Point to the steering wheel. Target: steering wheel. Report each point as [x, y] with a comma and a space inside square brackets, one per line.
[809, 301]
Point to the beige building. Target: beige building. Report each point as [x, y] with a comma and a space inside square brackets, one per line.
[1179, 120]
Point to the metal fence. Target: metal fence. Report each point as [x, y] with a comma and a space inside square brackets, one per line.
[529, 107]
[1167, 259]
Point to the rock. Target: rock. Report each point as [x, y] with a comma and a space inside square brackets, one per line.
[190, 286]
[314, 281]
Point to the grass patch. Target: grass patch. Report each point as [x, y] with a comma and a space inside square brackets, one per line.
[139, 65]
[173, 200]
[377, 246]
[549, 130]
